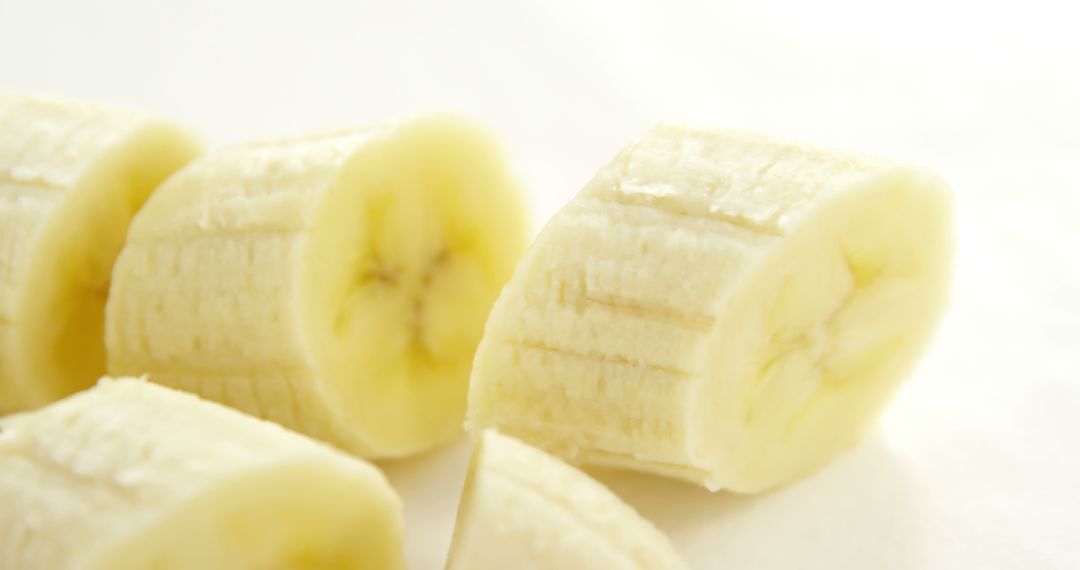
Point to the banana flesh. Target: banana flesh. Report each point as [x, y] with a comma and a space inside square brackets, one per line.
[718, 307]
[525, 509]
[137, 476]
[72, 175]
[337, 283]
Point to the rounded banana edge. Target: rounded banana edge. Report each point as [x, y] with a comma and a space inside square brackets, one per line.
[523, 508]
[335, 283]
[72, 175]
[129, 474]
[718, 307]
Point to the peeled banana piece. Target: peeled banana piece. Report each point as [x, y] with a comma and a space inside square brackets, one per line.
[72, 174]
[130, 475]
[527, 510]
[337, 284]
[718, 307]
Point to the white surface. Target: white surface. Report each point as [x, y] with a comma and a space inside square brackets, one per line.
[976, 463]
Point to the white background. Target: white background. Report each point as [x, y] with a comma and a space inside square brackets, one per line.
[976, 462]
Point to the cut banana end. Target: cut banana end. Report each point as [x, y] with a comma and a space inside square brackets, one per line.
[337, 284]
[72, 175]
[718, 307]
[524, 509]
[137, 476]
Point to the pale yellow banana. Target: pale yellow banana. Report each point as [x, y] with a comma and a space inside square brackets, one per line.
[133, 476]
[524, 509]
[71, 176]
[337, 284]
[718, 307]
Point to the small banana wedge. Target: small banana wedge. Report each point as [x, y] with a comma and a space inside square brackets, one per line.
[130, 475]
[337, 284]
[72, 174]
[718, 307]
[527, 510]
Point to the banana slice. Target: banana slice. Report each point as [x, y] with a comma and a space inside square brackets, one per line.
[524, 509]
[136, 476]
[72, 175]
[718, 307]
[337, 284]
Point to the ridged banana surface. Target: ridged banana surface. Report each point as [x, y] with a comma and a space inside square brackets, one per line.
[527, 510]
[337, 284]
[72, 174]
[718, 307]
[130, 475]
